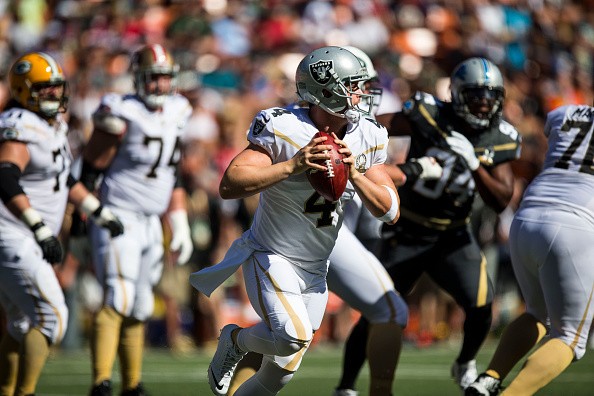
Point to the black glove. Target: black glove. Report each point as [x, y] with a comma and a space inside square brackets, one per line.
[50, 246]
[103, 217]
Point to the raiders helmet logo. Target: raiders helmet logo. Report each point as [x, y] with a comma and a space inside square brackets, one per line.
[320, 71]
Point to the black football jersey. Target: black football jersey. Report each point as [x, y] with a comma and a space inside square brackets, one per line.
[439, 204]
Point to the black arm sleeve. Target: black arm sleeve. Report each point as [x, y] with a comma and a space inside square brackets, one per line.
[89, 175]
[412, 170]
[10, 175]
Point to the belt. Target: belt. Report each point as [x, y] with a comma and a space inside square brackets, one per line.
[433, 222]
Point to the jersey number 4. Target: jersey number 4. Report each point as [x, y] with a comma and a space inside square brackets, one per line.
[326, 209]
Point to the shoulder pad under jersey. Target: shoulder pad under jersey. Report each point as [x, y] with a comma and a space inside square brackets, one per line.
[21, 125]
[499, 144]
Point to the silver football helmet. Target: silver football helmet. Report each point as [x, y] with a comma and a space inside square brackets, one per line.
[477, 92]
[328, 76]
[372, 86]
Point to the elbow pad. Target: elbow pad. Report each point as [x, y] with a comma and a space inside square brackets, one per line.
[10, 175]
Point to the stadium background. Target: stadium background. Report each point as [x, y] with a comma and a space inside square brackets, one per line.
[239, 56]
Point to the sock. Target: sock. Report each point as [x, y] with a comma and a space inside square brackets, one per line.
[544, 365]
[34, 353]
[355, 353]
[104, 343]
[130, 351]
[516, 341]
[476, 328]
[9, 364]
[245, 369]
[383, 350]
[268, 381]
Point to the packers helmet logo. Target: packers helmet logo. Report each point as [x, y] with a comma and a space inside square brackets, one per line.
[360, 162]
[320, 71]
[23, 67]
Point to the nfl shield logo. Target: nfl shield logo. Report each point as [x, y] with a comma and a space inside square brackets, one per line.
[320, 71]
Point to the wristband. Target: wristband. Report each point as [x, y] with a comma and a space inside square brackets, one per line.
[393, 211]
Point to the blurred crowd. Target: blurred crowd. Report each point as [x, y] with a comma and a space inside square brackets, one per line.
[239, 56]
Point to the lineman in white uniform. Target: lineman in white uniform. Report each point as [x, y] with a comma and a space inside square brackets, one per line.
[551, 244]
[135, 146]
[285, 252]
[34, 169]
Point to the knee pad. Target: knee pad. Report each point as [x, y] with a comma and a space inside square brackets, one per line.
[144, 303]
[286, 347]
[120, 294]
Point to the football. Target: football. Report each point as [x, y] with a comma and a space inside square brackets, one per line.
[331, 183]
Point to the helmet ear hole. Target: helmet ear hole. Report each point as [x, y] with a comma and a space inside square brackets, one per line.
[326, 93]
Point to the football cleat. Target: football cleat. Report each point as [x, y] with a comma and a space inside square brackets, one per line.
[484, 385]
[137, 391]
[101, 389]
[464, 373]
[224, 361]
[345, 392]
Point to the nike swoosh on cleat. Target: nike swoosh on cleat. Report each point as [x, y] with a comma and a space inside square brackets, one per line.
[219, 387]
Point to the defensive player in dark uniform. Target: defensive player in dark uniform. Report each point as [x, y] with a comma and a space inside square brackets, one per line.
[474, 146]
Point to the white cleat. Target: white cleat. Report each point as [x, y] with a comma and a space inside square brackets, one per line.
[345, 392]
[224, 361]
[464, 374]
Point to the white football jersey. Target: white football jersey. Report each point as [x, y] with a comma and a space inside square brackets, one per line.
[142, 174]
[292, 219]
[44, 178]
[569, 161]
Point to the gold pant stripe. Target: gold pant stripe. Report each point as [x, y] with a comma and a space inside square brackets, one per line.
[483, 286]
[583, 321]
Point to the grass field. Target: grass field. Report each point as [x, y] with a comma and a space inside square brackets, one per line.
[421, 372]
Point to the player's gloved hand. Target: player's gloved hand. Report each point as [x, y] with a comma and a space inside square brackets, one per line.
[102, 216]
[431, 168]
[106, 219]
[50, 246]
[181, 241]
[461, 146]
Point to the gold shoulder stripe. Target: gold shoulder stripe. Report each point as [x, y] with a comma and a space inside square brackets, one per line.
[373, 149]
[430, 120]
[284, 137]
[500, 147]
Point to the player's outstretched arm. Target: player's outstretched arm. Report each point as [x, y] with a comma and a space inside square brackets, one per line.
[252, 170]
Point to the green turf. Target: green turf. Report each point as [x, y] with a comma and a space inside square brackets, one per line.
[421, 372]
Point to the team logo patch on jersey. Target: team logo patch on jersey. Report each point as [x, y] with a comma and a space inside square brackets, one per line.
[360, 163]
[9, 134]
[258, 127]
[408, 106]
[320, 71]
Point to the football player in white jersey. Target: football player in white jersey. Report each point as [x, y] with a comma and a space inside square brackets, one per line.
[357, 276]
[36, 185]
[135, 148]
[285, 252]
[551, 245]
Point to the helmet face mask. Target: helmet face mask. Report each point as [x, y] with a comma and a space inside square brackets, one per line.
[155, 75]
[477, 92]
[331, 77]
[37, 83]
[372, 86]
